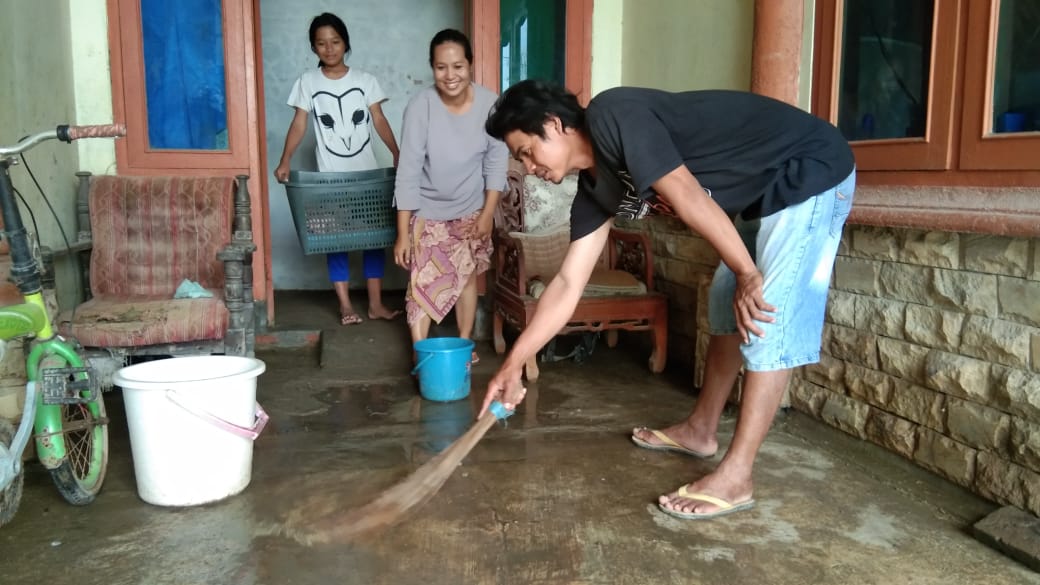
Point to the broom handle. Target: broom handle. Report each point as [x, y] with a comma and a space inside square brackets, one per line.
[495, 412]
[485, 422]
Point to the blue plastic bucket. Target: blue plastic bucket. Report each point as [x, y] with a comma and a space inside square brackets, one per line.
[443, 365]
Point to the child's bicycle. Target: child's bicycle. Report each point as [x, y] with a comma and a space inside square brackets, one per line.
[63, 402]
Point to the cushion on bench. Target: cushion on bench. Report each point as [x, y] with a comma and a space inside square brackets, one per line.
[146, 321]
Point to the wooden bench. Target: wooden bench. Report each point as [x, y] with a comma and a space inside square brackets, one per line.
[138, 239]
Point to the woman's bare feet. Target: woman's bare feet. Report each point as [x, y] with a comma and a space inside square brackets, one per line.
[381, 312]
[713, 495]
[682, 434]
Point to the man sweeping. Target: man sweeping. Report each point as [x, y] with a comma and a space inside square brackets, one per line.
[769, 186]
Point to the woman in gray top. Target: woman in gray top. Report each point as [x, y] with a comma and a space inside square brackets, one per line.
[449, 179]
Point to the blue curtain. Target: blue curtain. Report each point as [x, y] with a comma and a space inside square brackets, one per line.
[184, 74]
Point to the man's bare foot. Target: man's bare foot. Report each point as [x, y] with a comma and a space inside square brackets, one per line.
[382, 312]
[712, 495]
[684, 437]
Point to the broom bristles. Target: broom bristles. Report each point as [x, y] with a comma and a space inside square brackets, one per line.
[395, 502]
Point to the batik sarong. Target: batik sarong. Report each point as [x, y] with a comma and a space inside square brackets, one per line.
[445, 254]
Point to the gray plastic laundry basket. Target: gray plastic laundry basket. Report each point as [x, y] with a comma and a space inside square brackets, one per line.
[341, 212]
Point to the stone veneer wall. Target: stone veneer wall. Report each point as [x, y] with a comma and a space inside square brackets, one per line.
[931, 347]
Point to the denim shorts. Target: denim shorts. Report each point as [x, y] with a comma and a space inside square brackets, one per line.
[794, 250]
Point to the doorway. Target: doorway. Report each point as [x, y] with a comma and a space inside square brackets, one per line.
[389, 39]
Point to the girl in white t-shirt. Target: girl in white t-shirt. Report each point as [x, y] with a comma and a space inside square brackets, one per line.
[345, 104]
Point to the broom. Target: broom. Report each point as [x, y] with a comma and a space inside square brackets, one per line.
[396, 502]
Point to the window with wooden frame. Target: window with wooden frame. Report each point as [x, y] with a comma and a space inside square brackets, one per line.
[919, 86]
[180, 72]
[1001, 125]
[518, 39]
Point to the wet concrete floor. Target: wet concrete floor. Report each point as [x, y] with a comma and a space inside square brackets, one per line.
[558, 496]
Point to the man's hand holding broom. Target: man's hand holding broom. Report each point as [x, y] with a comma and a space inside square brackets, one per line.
[506, 388]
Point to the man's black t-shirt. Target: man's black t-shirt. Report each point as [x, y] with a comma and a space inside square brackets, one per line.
[754, 155]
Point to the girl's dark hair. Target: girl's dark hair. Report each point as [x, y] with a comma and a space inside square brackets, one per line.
[529, 104]
[450, 35]
[329, 19]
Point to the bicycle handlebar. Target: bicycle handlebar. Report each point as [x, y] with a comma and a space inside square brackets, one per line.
[66, 133]
[97, 131]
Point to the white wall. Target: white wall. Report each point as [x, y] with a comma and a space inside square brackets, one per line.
[805, 75]
[607, 44]
[91, 76]
[688, 44]
[390, 39]
[36, 94]
[684, 44]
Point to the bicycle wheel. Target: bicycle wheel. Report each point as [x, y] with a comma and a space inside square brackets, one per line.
[81, 474]
[11, 496]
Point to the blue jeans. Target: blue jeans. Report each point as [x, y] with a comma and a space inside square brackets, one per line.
[794, 250]
[374, 262]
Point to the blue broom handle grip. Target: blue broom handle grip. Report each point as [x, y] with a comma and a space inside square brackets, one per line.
[499, 410]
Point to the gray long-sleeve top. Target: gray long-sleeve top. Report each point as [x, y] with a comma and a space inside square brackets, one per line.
[447, 160]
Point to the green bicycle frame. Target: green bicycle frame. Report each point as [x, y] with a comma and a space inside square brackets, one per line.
[69, 431]
[31, 318]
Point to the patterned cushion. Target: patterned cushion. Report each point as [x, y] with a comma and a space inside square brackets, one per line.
[544, 251]
[146, 321]
[150, 233]
[602, 283]
[605, 282]
[546, 204]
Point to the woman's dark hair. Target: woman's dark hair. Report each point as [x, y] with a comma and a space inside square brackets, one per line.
[329, 19]
[529, 104]
[450, 35]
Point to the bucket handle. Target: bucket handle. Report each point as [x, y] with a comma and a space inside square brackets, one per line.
[250, 433]
[415, 370]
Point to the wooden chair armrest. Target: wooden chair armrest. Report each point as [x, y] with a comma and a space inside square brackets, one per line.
[630, 251]
[81, 245]
[84, 244]
[238, 297]
[242, 224]
[236, 251]
[235, 256]
[510, 255]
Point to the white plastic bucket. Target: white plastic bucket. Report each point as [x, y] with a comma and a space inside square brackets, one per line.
[192, 422]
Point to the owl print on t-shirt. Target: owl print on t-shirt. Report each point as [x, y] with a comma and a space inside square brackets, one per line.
[343, 121]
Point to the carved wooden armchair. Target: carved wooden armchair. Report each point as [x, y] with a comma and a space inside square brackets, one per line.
[140, 238]
[620, 295]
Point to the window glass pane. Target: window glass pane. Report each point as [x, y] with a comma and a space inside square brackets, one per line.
[1016, 80]
[533, 40]
[184, 74]
[886, 51]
